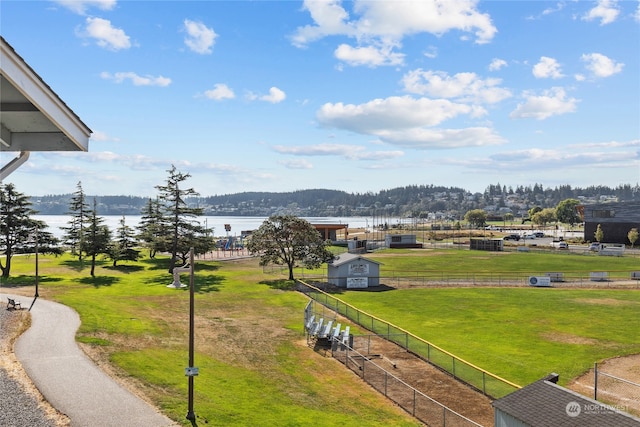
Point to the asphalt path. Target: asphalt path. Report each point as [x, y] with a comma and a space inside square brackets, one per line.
[69, 380]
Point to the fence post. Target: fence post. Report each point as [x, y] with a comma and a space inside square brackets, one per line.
[484, 383]
[595, 381]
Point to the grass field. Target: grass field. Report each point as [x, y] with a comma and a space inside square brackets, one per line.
[520, 334]
[255, 366]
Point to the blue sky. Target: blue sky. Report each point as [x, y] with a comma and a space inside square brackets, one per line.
[355, 96]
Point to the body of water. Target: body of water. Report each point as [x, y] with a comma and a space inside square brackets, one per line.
[217, 223]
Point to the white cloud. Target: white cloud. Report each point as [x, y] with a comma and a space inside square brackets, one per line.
[219, 92]
[547, 68]
[600, 65]
[421, 138]
[468, 87]
[497, 64]
[431, 52]
[551, 103]
[80, 6]
[275, 96]
[351, 152]
[106, 35]
[387, 23]
[136, 79]
[406, 121]
[558, 7]
[296, 164]
[99, 136]
[606, 11]
[370, 55]
[389, 113]
[200, 39]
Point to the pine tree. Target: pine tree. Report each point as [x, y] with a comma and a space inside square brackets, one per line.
[96, 238]
[80, 212]
[152, 229]
[123, 246]
[182, 227]
[19, 233]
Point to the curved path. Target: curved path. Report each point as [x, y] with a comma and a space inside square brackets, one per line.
[71, 382]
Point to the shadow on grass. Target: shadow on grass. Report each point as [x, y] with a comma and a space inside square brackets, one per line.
[124, 268]
[156, 263]
[24, 280]
[204, 283]
[208, 283]
[280, 284]
[99, 281]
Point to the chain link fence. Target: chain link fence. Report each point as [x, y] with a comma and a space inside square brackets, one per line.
[483, 381]
[416, 403]
[616, 391]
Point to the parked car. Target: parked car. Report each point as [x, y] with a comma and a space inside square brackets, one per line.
[563, 245]
[539, 234]
[512, 237]
[595, 247]
[529, 236]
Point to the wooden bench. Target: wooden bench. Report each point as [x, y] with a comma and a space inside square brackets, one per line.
[598, 276]
[13, 304]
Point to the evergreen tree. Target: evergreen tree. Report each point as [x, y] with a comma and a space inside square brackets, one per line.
[152, 230]
[123, 246]
[19, 233]
[80, 214]
[96, 237]
[179, 217]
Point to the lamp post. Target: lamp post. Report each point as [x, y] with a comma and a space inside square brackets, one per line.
[191, 371]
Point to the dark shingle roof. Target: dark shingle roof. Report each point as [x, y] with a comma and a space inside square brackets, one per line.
[546, 404]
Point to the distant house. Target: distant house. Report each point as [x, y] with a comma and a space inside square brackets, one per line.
[396, 241]
[353, 271]
[545, 404]
[615, 219]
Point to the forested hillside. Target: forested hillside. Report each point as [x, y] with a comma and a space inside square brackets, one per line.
[411, 201]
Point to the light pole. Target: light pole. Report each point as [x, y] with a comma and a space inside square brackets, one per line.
[191, 371]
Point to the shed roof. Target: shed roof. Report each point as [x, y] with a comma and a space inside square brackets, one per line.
[349, 257]
[546, 404]
[32, 115]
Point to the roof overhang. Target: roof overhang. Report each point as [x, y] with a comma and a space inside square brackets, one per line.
[32, 116]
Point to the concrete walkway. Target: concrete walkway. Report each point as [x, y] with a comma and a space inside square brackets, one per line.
[69, 380]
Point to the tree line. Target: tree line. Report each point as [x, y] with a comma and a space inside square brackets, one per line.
[409, 201]
[167, 225]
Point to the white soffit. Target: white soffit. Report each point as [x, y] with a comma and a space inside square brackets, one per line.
[32, 116]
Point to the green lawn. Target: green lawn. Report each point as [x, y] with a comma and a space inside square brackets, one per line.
[255, 366]
[520, 334]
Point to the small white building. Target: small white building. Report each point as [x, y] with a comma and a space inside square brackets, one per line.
[396, 241]
[353, 271]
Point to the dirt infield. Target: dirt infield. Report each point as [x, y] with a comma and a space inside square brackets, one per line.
[624, 395]
[424, 377]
